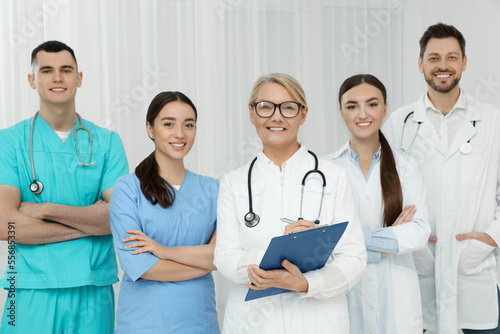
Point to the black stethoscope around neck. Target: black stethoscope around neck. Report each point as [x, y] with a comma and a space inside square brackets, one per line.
[465, 148]
[36, 186]
[252, 219]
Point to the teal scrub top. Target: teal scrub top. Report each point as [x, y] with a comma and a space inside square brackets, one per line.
[146, 306]
[85, 261]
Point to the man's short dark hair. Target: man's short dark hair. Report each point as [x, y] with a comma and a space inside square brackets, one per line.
[440, 31]
[53, 47]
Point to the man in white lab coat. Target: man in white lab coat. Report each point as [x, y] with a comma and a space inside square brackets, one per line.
[455, 140]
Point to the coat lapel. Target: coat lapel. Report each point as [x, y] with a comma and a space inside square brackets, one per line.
[427, 132]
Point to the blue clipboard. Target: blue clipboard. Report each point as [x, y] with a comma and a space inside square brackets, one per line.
[308, 250]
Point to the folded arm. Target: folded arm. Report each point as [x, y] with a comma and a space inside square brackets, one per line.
[166, 270]
[412, 233]
[380, 242]
[199, 256]
[91, 219]
[145, 261]
[29, 229]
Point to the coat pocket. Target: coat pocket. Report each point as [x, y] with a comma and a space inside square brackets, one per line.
[477, 301]
[475, 257]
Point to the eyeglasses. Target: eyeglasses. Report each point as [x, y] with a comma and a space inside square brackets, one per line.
[266, 109]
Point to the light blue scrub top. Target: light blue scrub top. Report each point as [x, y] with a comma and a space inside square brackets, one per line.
[85, 261]
[146, 306]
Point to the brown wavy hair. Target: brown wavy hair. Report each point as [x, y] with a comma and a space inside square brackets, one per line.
[392, 194]
[440, 31]
[153, 186]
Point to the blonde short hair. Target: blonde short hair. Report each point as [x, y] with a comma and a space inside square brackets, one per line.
[288, 82]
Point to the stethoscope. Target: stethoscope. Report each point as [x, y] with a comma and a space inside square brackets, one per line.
[252, 219]
[465, 148]
[36, 186]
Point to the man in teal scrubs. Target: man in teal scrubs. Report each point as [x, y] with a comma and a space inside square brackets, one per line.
[61, 262]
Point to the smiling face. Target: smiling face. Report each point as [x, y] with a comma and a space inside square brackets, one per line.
[173, 131]
[56, 78]
[277, 132]
[442, 64]
[363, 109]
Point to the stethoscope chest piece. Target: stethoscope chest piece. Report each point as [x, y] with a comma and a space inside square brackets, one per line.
[251, 219]
[466, 148]
[36, 187]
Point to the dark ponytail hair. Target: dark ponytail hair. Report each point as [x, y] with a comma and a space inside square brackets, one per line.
[392, 195]
[153, 186]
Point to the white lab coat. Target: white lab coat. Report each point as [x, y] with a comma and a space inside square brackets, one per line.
[387, 299]
[457, 278]
[276, 194]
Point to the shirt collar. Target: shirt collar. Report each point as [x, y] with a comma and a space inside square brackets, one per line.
[346, 149]
[460, 104]
[355, 157]
[297, 156]
[343, 150]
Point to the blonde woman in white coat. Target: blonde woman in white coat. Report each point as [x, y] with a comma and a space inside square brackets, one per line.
[390, 198]
[317, 302]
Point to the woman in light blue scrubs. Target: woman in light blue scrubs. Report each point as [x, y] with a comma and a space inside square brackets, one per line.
[163, 219]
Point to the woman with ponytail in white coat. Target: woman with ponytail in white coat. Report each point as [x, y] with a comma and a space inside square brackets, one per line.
[391, 202]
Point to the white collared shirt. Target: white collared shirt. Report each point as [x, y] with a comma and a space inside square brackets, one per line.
[446, 125]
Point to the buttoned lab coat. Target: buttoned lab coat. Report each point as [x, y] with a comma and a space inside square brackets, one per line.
[458, 279]
[387, 299]
[276, 194]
